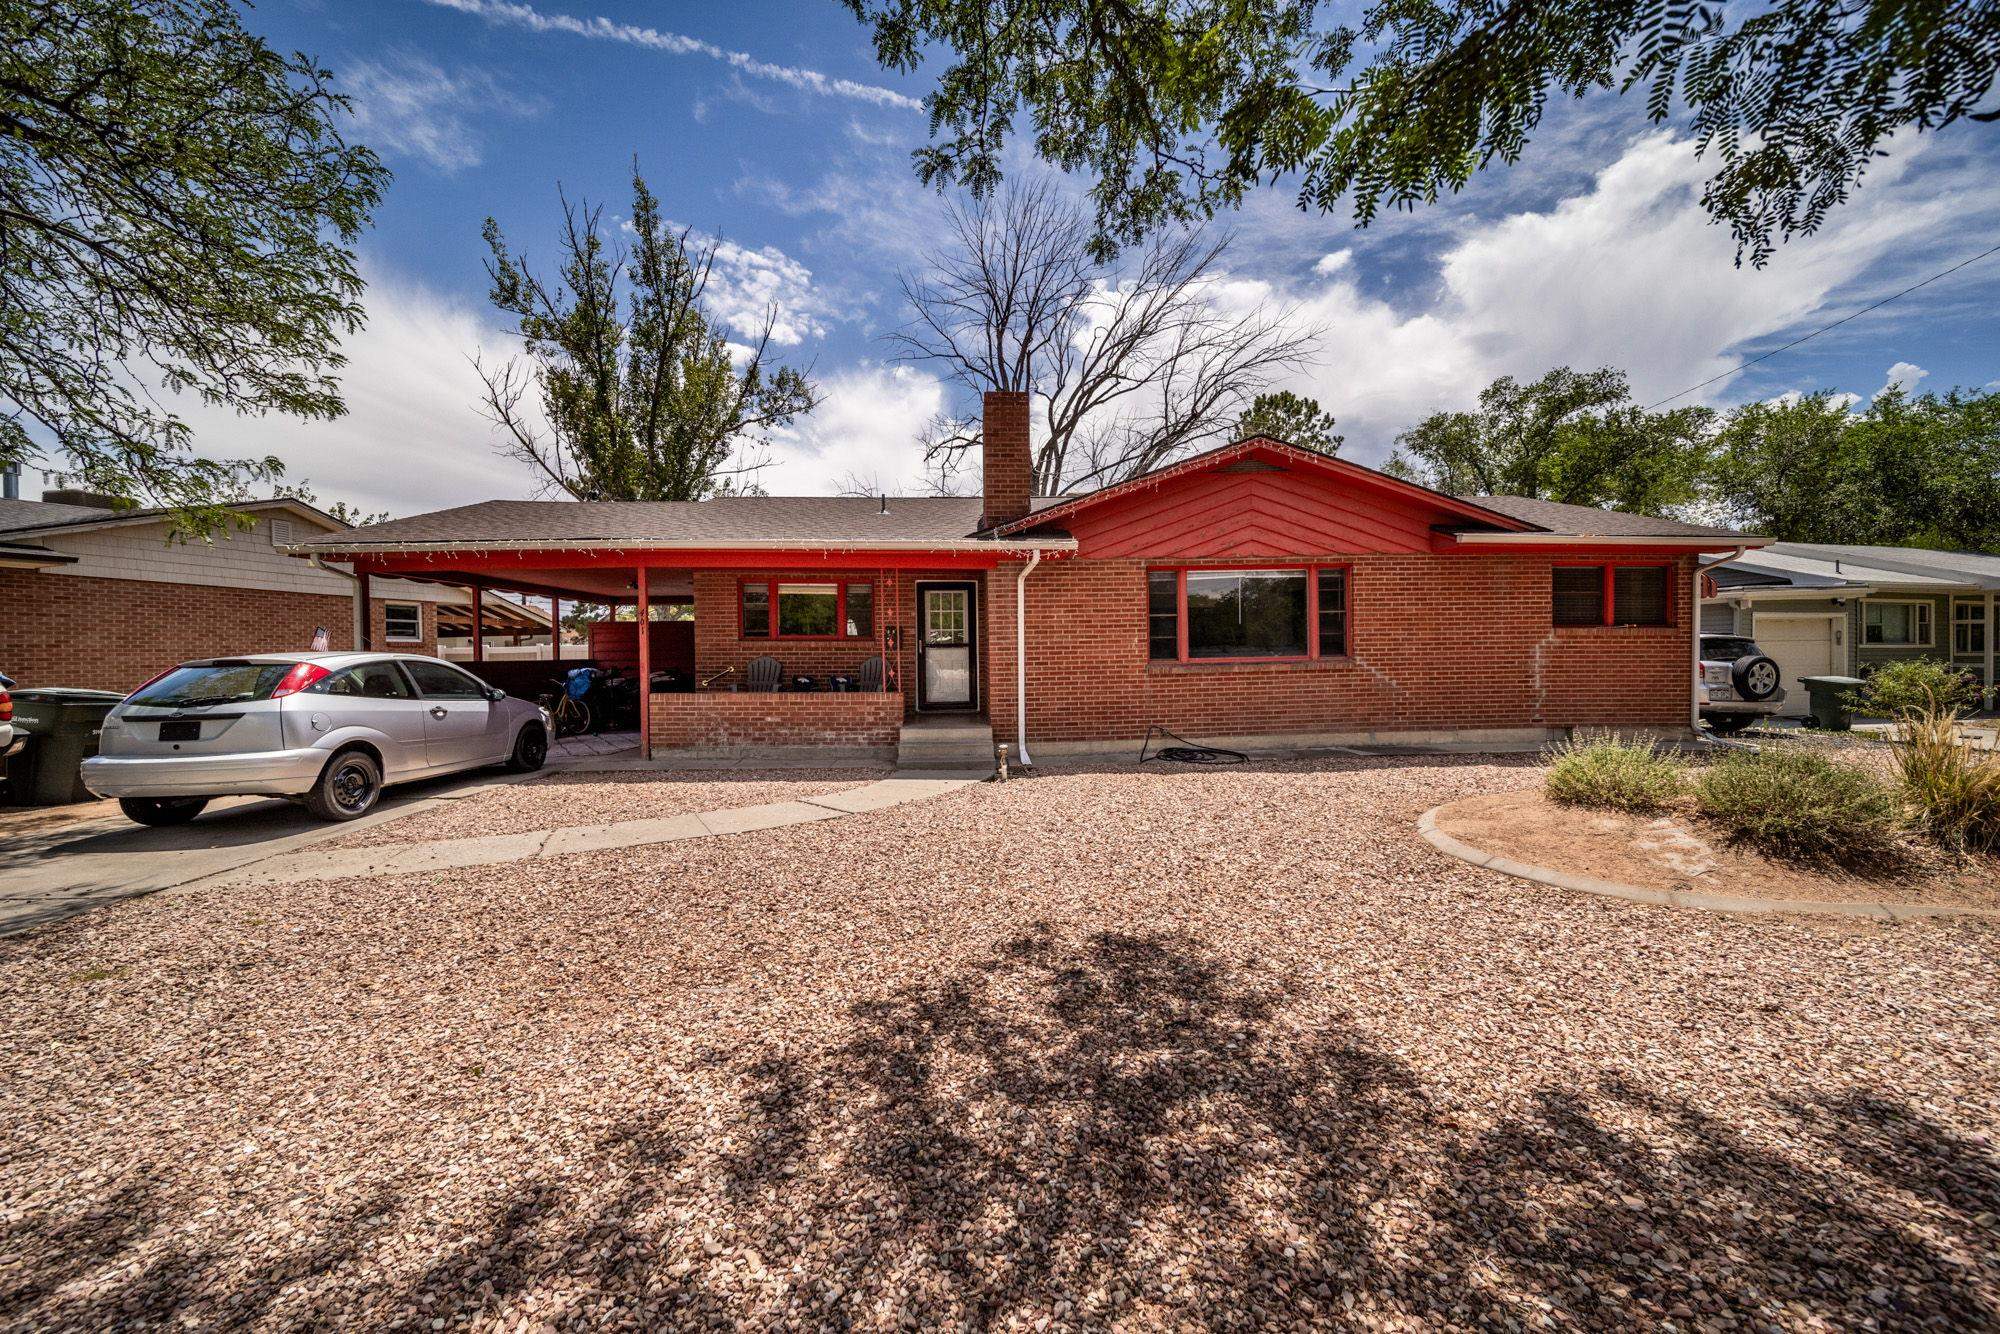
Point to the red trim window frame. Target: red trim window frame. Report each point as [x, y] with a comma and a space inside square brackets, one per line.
[1610, 595]
[1312, 570]
[770, 587]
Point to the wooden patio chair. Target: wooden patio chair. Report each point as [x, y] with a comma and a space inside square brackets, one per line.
[868, 676]
[765, 674]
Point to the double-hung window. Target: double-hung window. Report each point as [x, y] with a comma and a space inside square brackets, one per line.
[1611, 595]
[402, 622]
[807, 609]
[1905, 624]
[1968, 629]
[1263, 614]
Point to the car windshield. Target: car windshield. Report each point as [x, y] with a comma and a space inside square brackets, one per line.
[1728, 648]
[213, 683]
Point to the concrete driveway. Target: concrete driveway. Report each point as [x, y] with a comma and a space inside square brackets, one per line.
[56, 861]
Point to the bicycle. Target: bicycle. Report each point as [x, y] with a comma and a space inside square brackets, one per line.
[570, 715]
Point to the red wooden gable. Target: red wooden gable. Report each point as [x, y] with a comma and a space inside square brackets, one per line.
[1256, 500]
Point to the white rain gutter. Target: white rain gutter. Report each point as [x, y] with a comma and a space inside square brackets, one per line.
[1021, 657]
[1701, 567]
[1579, 540]
[569, 544]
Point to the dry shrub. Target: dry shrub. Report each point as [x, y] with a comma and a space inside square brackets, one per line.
[1603, 771]
[1953, 792]
[1796, 804]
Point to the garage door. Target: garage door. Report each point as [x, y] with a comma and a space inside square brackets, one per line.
[1801, 646]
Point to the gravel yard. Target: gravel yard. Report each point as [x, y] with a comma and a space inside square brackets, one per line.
[1110, 1046]
[560, 800]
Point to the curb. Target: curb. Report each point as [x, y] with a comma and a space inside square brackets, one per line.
[1676, 898]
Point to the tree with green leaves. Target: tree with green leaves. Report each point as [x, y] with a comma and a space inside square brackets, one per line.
[1292, 418]
[1574, 437]
[638, 394]
[177, 207]
[1905, 471]
[1179, 107]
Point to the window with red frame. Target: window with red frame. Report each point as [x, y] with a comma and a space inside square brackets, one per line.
[1611, 595]
[1269, 613]
[807, 609]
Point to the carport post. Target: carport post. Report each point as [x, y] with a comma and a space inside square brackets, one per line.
[364, 614]
[645, 670]
[555, 629]
[478, 625]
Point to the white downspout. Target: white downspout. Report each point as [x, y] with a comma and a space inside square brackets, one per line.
[1701, 567]
[1021, 657]
[354, 599]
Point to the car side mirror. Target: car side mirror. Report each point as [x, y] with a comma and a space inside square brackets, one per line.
[495, 694]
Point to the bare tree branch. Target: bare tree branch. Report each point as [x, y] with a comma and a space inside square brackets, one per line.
[1130, 367]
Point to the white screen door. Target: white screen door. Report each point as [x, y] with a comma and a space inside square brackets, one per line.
[947, 646]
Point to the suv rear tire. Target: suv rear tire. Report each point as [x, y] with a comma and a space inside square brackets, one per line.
[1756, 677]
[162, 811]
[347, 788]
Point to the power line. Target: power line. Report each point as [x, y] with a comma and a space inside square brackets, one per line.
[1817, 332]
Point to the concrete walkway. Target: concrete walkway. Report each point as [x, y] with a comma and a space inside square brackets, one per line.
[440, 854]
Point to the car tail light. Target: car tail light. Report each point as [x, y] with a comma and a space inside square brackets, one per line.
[299, 678]
[6, 707]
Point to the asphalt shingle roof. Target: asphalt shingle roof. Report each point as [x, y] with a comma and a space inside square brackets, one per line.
[22, 515]
[1589, 521]
[806, 520]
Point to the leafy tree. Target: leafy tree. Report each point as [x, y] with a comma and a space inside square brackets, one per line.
[176, 207]
[351, 515]
[1130, 365]
[1569, 436]
[644, 400]
[1292, 418]
[1178, 107]
[1907, 471]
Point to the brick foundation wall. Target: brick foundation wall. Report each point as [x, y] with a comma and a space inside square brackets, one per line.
[1436, 643]
[719, 720]
[115, 634]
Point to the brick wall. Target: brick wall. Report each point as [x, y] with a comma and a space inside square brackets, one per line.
[718, 641]
[378, 634]
[1006, 460]
[719, 720]
[115, 634]
[1436, 643]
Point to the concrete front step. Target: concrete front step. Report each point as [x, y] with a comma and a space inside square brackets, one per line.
[935, 743]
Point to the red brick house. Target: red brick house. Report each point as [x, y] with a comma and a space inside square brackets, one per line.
[1254, 592]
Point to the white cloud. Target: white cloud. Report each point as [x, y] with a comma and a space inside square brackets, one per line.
[866, 426]
[746, 286]
[1904, 375]
[412, 106]
[1630, 273]
[511, 14]
[1793, 397]
[413, 438]
[1331, 264]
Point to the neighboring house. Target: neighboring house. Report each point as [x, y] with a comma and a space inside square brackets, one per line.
[1256, 591]
[105, 598]
[1818, 609]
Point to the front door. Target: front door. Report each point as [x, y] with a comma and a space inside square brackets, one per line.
[947, 635]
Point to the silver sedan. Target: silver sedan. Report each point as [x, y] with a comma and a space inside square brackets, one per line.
[329, 729]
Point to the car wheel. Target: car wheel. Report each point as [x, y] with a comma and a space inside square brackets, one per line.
[1755, 677]
[531, 750]
[162, 810]
[347, 788]
[1728, 724]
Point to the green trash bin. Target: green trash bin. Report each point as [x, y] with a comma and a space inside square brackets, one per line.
[1831, 696]
[62, 727]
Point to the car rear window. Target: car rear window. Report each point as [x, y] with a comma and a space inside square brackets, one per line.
[1728, 648]
[213, 683]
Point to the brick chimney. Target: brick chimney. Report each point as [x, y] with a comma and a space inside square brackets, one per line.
[1006, 459]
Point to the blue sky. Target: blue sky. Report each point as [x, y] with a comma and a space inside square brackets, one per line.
[770, 126]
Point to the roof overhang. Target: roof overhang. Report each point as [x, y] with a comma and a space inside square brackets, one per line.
[1703, 542]
[27, 556]
[969, 546]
